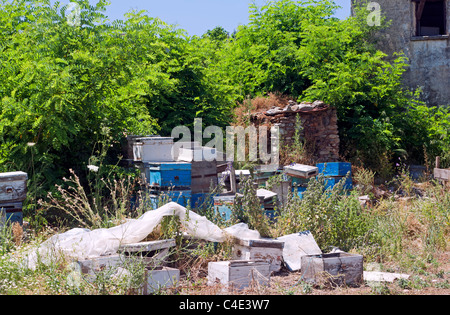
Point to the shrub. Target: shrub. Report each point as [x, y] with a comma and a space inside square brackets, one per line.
[334, 218]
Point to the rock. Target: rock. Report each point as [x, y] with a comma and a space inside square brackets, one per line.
[319, 104]
[275, 111]
[287, 109]
[305, 108]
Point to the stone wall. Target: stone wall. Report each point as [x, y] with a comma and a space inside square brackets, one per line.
[429, 56]
[318, 127]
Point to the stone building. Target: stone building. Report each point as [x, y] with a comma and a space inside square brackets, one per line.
[420, 28]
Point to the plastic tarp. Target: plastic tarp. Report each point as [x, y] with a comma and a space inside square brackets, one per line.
[85, 244]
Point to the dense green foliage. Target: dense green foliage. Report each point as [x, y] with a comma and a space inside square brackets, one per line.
[62, 85]
[298, 48]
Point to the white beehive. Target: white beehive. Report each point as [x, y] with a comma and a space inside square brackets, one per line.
[13, 187]
[239, 274]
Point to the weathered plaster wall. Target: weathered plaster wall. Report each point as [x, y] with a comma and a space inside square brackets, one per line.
[429, 58]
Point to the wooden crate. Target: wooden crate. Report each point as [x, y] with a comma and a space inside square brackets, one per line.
[13, 187]
[332, 181]
[267, 250]
[335, 268]
[442, 174]
[239, 274]
[153, 149]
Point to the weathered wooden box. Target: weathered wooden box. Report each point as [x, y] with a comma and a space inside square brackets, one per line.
[151, 254]
[160, 278]
[95, 265]
[203, 176]
[13, 187]
[239, 274]
[267, 250]
[442, 174]
[335, 268]
[155, 253]
[301, 171]
[153, 149]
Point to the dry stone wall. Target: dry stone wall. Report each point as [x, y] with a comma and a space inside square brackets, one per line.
[318, 123]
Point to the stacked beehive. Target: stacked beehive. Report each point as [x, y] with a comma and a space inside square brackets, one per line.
[300, 175]
[173, 173]
[333, 173]
[13, 191]
[336, 172]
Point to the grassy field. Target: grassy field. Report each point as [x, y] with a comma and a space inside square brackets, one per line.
[404, 228]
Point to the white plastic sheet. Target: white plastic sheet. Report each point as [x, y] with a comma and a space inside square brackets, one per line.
[84, 244]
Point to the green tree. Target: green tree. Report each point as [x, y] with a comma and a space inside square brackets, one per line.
[299, 49]
[62, 84]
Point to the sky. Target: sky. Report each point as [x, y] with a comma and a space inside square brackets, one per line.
[196, 16]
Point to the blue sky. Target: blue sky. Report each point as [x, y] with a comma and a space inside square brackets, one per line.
[196, 16]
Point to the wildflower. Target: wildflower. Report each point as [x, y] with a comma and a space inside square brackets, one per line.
[93, 168]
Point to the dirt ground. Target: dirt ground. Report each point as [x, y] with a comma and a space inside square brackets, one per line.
[435, 281]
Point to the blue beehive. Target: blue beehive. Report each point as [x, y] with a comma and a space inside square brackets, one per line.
[201, 200]
[13, 212]
[223, 205]
[300, 181]
[168, 174]
[182, 197]
[299, 190]
[334, 168]
[334, 172]
[330, 182]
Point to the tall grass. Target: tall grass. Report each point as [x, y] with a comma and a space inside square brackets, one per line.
[406, 230]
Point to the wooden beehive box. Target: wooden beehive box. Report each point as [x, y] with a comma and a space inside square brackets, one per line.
[13, 187]
[334, 168]
[12, 212]
[94, 265]
[154, 252]
[301, 171]
[267, 250]
[168, 174]
[160, 278]
[239, 274]
[336, 268]
[203, 176]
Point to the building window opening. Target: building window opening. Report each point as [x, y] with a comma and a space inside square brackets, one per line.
[430, 17]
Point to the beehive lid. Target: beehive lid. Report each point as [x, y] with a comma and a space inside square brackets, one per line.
[300, 170]
[13, 176]
[263, 243]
